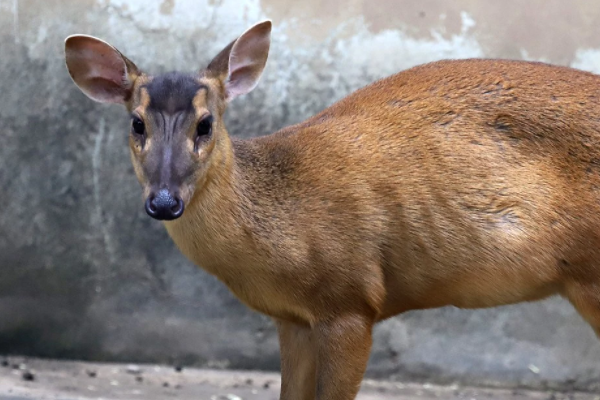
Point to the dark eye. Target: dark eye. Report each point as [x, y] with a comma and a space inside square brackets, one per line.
[138, 126]
[203, 130]
[204, 126]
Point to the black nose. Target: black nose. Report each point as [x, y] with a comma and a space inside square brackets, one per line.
[164, 205]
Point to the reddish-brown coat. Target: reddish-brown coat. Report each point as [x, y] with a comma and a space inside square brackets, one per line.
[468, 183]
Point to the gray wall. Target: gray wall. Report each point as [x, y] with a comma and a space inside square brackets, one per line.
[84, 273]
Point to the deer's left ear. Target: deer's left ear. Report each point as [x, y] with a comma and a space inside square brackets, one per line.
[99, 70]
[240, 64]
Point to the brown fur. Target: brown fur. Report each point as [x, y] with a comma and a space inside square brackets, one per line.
[470, 183]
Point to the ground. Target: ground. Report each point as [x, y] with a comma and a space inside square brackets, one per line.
[28, 379]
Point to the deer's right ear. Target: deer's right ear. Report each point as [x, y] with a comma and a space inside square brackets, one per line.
[99, 70]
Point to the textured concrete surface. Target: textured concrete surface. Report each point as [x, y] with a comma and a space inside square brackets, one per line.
[85, 274]
[29, 379]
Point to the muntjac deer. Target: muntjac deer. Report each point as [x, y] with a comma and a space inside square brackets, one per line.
[470, 183]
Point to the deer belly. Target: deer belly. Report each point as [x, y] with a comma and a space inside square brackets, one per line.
[277, 301]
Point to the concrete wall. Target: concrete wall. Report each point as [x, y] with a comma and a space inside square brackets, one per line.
[84, 273]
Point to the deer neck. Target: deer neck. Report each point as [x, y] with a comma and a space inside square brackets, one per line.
[216, 230]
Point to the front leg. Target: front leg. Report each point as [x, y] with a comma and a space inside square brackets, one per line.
[343, 347]
[298, 361]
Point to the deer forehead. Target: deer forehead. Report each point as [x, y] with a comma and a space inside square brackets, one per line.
[171, 93]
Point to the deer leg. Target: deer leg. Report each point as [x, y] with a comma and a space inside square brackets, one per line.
[298, 361]
[343, 347]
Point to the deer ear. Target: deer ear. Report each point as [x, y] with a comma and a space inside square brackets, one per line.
[240, 64]
[99, 70]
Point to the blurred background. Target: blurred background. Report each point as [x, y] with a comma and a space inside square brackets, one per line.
[85, 274]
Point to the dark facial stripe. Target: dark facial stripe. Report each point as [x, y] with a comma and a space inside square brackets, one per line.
[173, 92]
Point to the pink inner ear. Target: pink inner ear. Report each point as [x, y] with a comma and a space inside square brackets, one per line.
[98, 69]
[247, 60]
[106, 90]
[241, 81]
